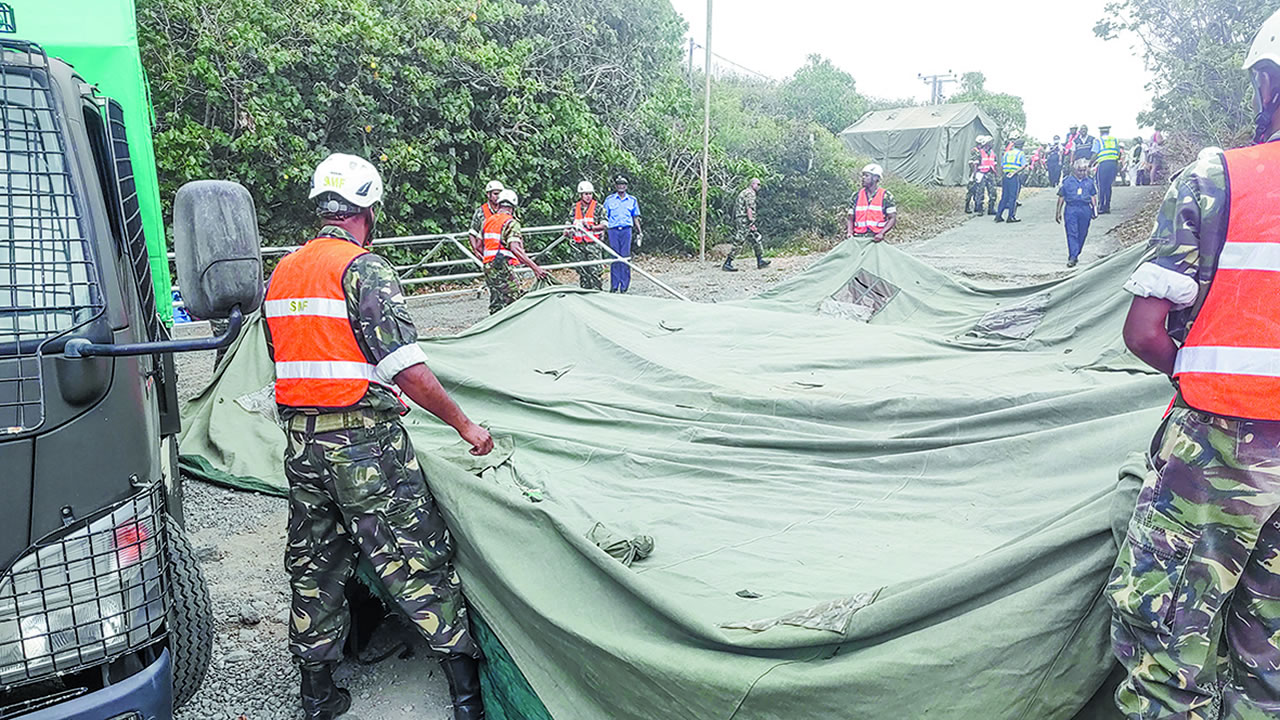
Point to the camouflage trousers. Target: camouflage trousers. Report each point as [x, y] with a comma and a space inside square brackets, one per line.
[1196, 587]
[742, 235]
[360, 492]
[504, 289]
[588, 276]
[976, 190]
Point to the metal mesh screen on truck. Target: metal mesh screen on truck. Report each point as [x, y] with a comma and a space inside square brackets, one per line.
[48, 282]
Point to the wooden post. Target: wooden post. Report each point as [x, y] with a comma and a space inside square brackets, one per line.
[706, 139]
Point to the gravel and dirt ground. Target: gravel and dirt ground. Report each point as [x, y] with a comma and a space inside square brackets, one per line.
[239, 536]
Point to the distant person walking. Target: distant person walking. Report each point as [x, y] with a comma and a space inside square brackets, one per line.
[584, 217]
[1108, 161]
[1135, 162]
[622, 214]
[872, 212]
[1053, 161]
[1078, 196]
[744, 227]
[1013, 164]
[1086, 146]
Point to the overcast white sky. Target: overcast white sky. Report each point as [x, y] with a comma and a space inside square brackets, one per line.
[1064, 73]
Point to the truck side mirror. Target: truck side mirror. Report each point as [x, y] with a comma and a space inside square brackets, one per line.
[219, 259]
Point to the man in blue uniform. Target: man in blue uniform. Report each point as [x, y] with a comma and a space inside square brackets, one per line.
[1108, 159]
[1079, 196]
[622, 213]
[1013, 164]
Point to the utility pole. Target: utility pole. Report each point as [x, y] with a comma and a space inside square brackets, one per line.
[690, 66]
[935, 83]
[706, 140]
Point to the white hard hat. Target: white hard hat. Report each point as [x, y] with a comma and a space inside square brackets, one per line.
[1266, 46]
[508, 197]
[981, 139]
[874, 169]
[586, 187]
[493, 185]
[353, 180]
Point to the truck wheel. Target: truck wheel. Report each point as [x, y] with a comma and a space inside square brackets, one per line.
[190, 618]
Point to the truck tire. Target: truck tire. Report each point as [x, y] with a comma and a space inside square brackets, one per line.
[190, 617]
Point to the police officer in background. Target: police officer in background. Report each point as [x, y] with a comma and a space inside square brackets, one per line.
[1108, 163]
[345, 350]
[1196, 586]
[1053, 161]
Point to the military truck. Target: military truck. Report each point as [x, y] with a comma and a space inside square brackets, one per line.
[103, 610]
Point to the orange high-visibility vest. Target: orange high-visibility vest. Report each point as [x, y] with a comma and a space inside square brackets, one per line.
[988, 161]
[492, 234]
[587, 216]
[319, 364]
[488, 213]
[1230, 363]
[868, 215]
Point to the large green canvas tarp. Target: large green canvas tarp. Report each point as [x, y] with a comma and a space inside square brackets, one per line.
[927, 144]
[100, 38]
[874, 491]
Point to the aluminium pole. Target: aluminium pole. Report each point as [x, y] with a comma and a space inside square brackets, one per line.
[706, 139]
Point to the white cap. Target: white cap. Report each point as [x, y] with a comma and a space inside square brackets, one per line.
[874, 169]
[493, 185]
[586, 187]
[1266, 45]
[508, 196]
[353, 179]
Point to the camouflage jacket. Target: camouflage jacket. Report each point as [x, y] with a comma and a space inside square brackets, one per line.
[1190, 230]
[744, 208]
[381, 321]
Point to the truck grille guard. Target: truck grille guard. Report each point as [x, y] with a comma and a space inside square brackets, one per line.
[49, 284]
[87, 596]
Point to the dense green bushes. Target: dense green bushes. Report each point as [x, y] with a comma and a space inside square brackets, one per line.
[446, 94]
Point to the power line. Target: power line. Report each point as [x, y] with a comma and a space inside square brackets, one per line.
[693, 44]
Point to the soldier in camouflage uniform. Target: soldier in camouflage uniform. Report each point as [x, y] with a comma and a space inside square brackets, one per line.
[1196, 586]
[987, 181]
[504, 248]
[585, 224]
[356, 488]
[482, 213]
[744, 227]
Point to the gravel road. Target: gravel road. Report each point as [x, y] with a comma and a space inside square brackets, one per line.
[239, 536]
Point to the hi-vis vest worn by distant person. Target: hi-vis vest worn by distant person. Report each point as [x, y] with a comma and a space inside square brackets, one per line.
[868, 214]
[1230, 363]
[319, 363]
[492, 234]
[583, 217]
[1110, 149]
[1011, 165]
[988, 161]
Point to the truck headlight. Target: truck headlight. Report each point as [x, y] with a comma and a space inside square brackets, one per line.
[88, 596]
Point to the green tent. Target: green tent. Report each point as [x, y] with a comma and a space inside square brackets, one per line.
[927, 144]
[874, 491]
[100, 38]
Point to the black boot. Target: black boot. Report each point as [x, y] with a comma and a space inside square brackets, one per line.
[728, 265]
[761, 263]
[463, 674]
[321, 699]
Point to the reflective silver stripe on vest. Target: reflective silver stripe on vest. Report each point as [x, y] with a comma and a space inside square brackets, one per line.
[1228, 361]
[326, 370]
[296, 307]
[1250, 256]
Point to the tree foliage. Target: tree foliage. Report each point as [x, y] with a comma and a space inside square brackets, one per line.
[444, 95]
[1004, 108]
[823, 93]
[1194, 51]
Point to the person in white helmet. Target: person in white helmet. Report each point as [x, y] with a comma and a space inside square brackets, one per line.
[982, 175]
[503, 249]
[482, 213]
[345, 352]
[872, 211]
[1196, 586]
[586, 220]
